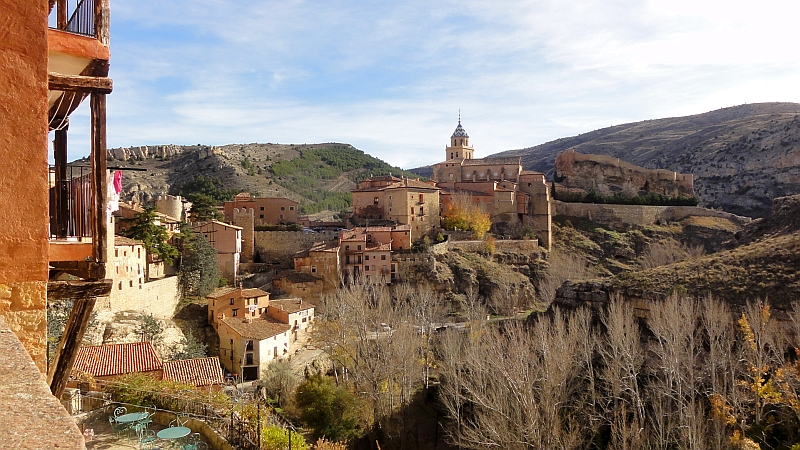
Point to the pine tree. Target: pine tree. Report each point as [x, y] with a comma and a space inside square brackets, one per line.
[154, 237]
[199, 273]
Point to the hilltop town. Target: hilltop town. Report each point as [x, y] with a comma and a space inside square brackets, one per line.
[270, 296]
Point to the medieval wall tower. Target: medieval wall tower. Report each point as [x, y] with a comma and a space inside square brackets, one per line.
[245, 218]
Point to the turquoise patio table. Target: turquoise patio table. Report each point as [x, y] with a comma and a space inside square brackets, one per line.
[132, 417]
[173, 433]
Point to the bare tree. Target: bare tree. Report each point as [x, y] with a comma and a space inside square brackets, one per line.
[563, 266]
[622, 358]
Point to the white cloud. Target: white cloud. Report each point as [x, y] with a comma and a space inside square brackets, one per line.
[388, 77]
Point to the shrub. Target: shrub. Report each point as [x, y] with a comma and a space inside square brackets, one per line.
[330, 410]
[276, 438]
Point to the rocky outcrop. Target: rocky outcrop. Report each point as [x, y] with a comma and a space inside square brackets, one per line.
[610, 175]
[143, 152]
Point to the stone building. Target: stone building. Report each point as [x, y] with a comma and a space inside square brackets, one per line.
[227, 241]
[293, 311]
[499, 185]
[236, 302]
[321, 260]
[388, 200]
[299, 284]
[267, 210]
[248, 345]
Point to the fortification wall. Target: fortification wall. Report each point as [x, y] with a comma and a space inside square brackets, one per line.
[245, 218]
[159, 298]
[510, 246]
[411, 265]
[171, 205]
[638, 215]
[280, 246]
[584, 171]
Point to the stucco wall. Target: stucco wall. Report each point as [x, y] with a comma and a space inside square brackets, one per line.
[159, 298]
[639, 215]
[23, 186]
[280, 246]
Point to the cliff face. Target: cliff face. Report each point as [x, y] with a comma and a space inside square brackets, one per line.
[605, 173]
[741, 157]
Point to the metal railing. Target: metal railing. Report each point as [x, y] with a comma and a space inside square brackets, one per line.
[78, 19]
[71, 203]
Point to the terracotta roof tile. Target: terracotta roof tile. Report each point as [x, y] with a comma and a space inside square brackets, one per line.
[259, 329]
[198, 371]
[291, 305]
[246, 293]
[116, 359]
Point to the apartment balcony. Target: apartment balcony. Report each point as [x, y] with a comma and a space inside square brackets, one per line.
[78, 58]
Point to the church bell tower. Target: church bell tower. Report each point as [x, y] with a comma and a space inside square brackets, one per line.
[459, 144]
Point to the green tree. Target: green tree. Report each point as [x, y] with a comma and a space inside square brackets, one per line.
[154, 236]
[150, 328]
[189, 348]
[330, 410]
[199, 273]
[204, 207]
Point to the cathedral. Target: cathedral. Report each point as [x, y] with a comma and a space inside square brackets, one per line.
[499, 185]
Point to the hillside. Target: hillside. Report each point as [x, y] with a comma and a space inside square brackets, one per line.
[319, 176]
[742, 157]
[764, 263]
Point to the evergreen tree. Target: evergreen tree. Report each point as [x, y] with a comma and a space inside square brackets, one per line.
[154, 236]
[199, 273]
[189, 348]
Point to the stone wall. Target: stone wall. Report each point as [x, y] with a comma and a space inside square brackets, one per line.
[159, 298]
[584, 171]
[32, 418]
[638, 215]
[509, 246]
[411, 265]
[24, 185]
[280, 246]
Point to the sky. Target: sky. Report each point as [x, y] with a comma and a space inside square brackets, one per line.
[389, 77]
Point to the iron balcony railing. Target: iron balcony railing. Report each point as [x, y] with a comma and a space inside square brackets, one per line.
[71, 203]
[81, 16]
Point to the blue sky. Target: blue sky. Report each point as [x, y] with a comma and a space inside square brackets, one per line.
[390, 76]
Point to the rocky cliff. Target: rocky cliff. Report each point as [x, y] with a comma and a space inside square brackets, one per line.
[610, 176]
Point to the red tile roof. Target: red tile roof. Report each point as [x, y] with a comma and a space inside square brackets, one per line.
[198, 371]
[291, 305]
[117, 359]
[258, 329]
[246, 293]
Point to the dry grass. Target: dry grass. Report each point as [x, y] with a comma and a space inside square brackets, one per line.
[766, 269]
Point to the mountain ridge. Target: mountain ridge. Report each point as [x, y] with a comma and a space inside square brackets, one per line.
[741, 156]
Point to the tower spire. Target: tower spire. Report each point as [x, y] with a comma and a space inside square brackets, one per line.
[459, 116]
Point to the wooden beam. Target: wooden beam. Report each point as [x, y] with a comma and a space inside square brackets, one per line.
[61, 210]
[102, 21]
[99, 179]
[67, 350]
[61, 14]
[79, 83]
[65, 290]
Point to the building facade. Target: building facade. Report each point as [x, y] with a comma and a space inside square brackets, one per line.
[266, 210]
[227, 241]
[388, 200]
